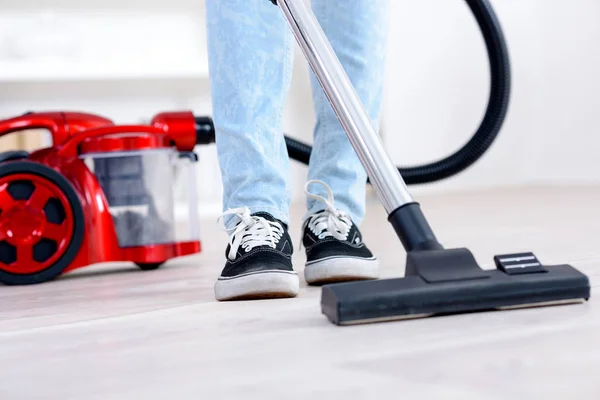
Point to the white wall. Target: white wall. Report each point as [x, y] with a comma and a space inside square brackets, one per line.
[438, 87]
[436, 94]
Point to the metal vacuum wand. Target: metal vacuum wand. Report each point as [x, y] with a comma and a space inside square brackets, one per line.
[404, 214]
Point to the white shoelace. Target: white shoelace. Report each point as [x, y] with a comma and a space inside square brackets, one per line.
[331, 222]
[252, 231]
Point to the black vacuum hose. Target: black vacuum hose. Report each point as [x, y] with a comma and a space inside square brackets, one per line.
[482, 139]
[491, 123]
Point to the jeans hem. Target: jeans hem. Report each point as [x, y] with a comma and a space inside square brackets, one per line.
[230, 221]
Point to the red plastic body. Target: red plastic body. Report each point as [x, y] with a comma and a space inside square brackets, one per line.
[74, 133]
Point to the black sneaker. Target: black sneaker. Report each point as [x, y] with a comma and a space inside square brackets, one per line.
[335, 251]
[259, 260]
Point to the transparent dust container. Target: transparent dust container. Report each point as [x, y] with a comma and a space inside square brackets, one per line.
[140, 188]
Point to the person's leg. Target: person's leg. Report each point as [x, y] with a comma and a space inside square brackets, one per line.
[357, 31]
[250, 53]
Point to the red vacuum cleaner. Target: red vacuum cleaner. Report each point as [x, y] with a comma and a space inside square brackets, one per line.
[102, 193]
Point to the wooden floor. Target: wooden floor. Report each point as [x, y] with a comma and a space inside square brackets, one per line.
[113, 332]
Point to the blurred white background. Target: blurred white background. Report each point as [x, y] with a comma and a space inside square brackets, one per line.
[130, 59]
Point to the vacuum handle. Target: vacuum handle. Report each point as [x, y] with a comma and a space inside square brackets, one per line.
[50, 121]
[62, 125]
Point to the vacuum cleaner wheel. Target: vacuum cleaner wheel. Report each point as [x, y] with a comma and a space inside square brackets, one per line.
[41, 223]
[149, 266]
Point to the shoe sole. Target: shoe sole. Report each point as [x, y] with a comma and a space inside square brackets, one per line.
[258, 286]
[341, 269]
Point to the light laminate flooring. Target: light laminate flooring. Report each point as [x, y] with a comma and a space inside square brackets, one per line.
[114, 332]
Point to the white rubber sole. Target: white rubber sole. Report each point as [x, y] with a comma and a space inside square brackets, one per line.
[261, 285]
[341, 269]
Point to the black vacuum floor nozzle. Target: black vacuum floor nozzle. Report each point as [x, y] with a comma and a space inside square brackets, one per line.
[440, 282]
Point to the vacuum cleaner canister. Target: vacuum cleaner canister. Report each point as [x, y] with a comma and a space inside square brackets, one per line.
[101, 193]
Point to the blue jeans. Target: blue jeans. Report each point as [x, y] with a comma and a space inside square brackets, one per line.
[251, 49]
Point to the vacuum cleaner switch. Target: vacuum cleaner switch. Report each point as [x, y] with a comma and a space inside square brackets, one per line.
[515, 264]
